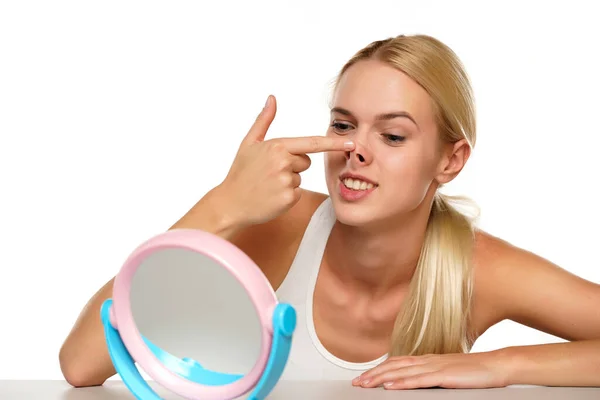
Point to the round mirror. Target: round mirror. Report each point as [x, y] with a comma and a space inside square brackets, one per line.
[191, 307]
[199, 317]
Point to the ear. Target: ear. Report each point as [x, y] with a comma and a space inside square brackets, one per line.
[454, 157]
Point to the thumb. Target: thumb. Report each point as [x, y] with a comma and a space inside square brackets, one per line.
[260, 127]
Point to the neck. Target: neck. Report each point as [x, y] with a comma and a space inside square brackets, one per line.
[376, 260]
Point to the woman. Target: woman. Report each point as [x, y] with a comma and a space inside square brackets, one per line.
[392, 284]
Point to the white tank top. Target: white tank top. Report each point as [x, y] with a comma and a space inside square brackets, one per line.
[308, 359]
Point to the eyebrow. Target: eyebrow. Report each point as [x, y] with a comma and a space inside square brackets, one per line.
[380, 117]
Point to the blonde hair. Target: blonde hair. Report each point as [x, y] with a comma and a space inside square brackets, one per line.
[436, 312]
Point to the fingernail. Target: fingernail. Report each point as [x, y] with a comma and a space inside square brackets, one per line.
[356, 380]
[349, 145]
[388, 384]
[267, 102]
[365, 382]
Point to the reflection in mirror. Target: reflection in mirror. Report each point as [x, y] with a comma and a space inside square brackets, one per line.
[190, 306]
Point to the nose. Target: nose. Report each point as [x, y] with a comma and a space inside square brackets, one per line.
[361, 155]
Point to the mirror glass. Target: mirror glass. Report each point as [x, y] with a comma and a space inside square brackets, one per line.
[190, 306]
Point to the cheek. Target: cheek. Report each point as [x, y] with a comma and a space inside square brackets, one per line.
[408, 171]
[420, 162]
[402, 168]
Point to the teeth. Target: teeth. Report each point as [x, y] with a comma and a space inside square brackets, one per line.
[356, 184]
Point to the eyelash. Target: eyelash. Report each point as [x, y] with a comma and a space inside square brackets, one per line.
[395, 139]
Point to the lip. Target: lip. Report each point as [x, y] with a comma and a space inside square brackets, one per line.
[350, 195]
[346, 175]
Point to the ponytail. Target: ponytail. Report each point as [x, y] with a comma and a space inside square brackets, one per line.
[435, 315]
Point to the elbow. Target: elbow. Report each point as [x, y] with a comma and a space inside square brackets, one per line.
[75, 372]
[80, 381]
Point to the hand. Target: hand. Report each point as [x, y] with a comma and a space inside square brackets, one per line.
[472, 370]
[264, 179]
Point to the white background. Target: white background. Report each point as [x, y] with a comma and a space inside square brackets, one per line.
[117, 116]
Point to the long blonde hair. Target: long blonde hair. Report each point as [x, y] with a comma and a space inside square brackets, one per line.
[436, 312]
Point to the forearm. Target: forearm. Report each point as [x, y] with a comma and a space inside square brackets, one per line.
[557, 364]
[83, 357]
[212, 215]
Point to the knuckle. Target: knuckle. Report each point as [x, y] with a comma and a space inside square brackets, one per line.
[283, 164]
[314, 143]
[296, 180]
[308, 161]
[285, 179]
[288, 196]
[276, 146]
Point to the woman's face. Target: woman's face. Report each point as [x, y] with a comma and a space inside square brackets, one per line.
[391, 120]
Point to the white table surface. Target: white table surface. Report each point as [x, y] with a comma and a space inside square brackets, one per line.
[116, 390]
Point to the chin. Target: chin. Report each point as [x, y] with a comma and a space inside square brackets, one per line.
[353, 213]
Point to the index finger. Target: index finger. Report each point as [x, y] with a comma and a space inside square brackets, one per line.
[316, 144]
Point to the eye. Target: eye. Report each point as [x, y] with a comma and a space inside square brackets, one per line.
[395, 139]
[340, 127]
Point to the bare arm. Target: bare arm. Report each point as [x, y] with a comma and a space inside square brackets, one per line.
[516, 285]
[537, 293]
[83, 357]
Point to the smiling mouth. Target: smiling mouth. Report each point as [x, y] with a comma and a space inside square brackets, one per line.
[357, 184]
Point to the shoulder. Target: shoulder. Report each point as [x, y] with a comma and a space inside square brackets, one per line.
[512, 283]
[273, 245]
